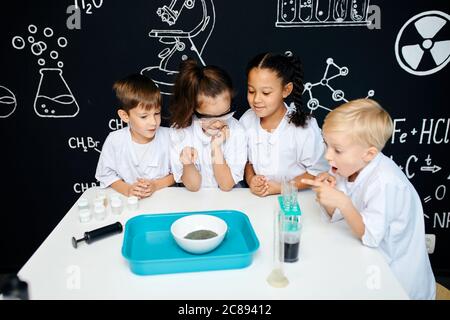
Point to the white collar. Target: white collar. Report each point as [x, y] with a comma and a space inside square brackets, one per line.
[150, 157]
[263, 135]
[365, 172]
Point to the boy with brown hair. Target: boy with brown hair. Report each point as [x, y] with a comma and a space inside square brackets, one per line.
[135, 160]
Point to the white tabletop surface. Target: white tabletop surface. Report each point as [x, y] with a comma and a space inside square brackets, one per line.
[333, 263]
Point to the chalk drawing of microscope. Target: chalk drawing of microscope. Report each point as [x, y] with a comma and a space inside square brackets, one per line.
[181, 44]
[322, 13]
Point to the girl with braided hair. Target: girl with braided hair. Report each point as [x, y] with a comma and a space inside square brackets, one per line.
[283, 141]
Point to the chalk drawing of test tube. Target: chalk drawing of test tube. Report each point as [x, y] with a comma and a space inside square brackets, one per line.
[54, 98]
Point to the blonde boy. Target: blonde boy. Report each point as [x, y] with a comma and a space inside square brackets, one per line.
[372, 194]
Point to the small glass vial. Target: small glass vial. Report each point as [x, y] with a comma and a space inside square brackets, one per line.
[85, 215]
[101, 196]
[133, 203]
[99, 211]
[83, 204]
[116, 205]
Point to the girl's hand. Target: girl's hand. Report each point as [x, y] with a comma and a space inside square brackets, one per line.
[326, 178]
[188, 155]
[272, 188]
[258, 185]
[221, 137]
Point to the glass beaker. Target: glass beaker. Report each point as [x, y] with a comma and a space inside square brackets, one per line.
[291, 214]
[291, 237]
[54, 98]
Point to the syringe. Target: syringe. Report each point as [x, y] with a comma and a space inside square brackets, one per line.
[99, 233]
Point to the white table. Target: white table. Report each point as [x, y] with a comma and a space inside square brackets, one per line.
[333, 263]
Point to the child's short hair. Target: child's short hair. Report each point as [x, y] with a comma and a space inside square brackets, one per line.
[136, 90]
[364, 119]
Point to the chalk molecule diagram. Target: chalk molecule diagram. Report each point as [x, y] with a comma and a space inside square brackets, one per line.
[337, 95]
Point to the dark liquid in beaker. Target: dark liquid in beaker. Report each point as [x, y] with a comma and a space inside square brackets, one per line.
[291, 251]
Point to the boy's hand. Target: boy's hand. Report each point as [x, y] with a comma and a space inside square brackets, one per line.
[221, 137]
[188, 155]
[147, 187]
[326, 178]
[258, 185]
[326, 194]
[135, 189]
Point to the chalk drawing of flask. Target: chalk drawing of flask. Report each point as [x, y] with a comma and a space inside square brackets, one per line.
[54, 98]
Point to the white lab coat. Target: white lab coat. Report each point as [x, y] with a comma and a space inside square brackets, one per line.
[394, 223]
[118, 160]
[234, 150]
[288, 151]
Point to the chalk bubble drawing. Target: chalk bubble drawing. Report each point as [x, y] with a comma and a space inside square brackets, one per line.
[182, 42]
[53, 99]
[322, 13]
[8, 102]
[337, 95]
[422, 46]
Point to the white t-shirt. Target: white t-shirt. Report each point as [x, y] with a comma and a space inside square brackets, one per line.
[234, 150]
[288, 151]
[394, 223]
[120, 160]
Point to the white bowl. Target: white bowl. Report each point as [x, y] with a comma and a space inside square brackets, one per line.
[183, 226]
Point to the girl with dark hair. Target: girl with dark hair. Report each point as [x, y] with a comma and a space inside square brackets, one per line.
[283, 141]
[209, 146]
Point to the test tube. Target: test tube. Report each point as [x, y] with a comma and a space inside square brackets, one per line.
[340, 10]
[359, 10]
[277, 277]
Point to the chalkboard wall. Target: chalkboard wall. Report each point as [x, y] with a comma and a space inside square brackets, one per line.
[60, 58]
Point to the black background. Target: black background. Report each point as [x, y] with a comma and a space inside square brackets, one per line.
[40, 169]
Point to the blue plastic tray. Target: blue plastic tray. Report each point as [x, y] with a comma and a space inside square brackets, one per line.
[150, 248]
